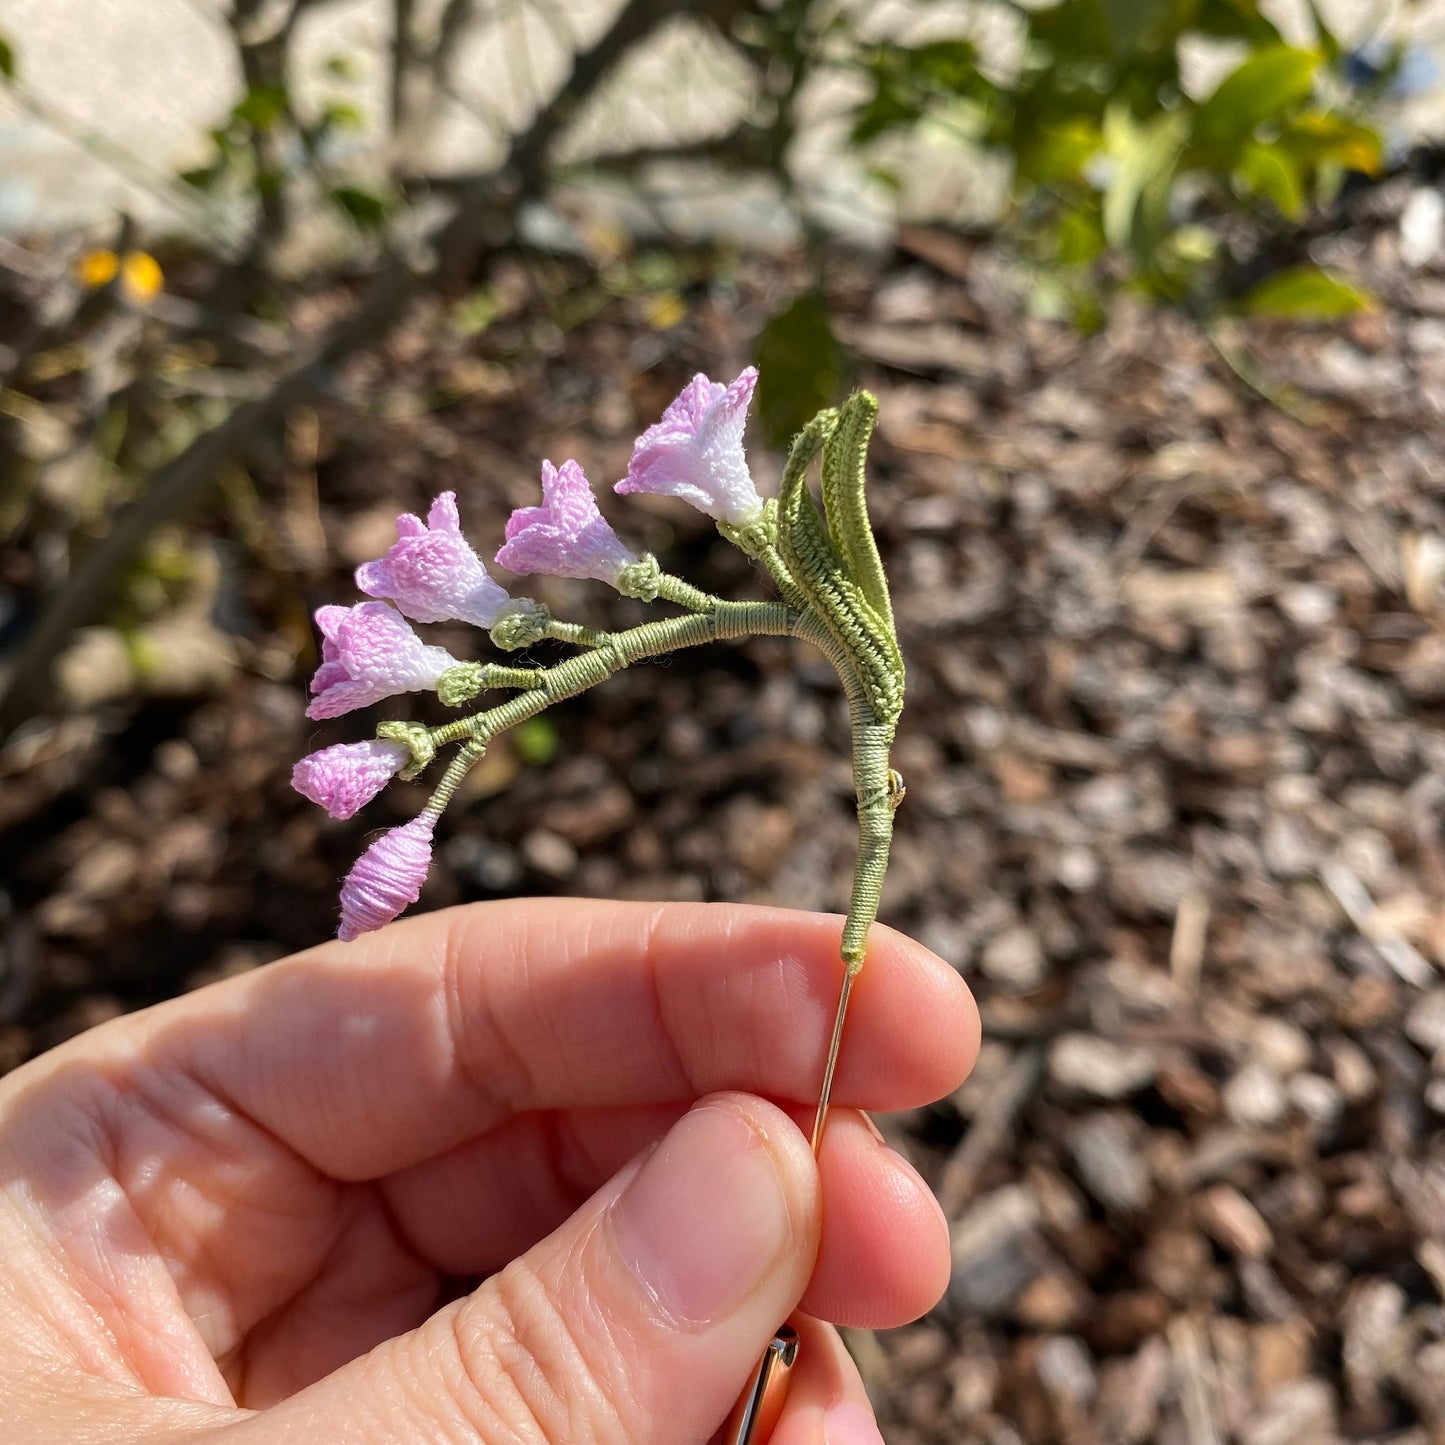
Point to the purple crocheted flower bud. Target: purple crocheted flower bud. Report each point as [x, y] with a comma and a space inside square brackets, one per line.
[345, 778]
[566, 536]
[431, 572]
[696, 451]
[367, 653]
[386, 878]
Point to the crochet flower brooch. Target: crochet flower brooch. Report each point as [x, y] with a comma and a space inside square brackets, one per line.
[826, 569]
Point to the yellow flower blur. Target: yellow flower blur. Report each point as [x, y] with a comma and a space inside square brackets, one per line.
[141, 278]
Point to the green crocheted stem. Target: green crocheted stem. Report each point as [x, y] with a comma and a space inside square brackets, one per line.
[460, 684]
[875, 795]
[577, 634]
[459, 767]
[609, 653]
[674, 589]
[871, 741]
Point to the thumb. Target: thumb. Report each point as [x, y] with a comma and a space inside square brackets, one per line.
[638, 1321]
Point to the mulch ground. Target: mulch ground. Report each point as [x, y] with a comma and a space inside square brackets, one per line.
[1175, 762]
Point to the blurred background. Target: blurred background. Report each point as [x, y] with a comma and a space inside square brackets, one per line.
[1153, 295]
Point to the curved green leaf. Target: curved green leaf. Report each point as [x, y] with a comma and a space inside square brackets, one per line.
[822, 576]
[1271, 172]
[1318, 137]
[845, 501]
[1264, 86]
[1145, 156]
[1306, 293]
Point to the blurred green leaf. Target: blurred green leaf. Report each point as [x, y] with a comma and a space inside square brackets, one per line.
[909, 81]
[1079, 29]
[1060, 152]
[1306, 293]
[342, 115]
[1318, 137]
[1080, 237]
[1194, 245]
[886, 177]
[367, 208]
[1265, 86]
[536, 741]
[1110, 154]
[341, 66]
[1329, 42]
[1270, 171]
[800, 366]
[475, 311]
[202, 178]
[1143, 26]
[1143, 156]
[7, 58]
[1236, 20]
[262, 106]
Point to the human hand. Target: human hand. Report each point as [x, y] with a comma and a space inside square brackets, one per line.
[257, 1214]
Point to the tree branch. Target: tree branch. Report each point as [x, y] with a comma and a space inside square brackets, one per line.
[483, 220]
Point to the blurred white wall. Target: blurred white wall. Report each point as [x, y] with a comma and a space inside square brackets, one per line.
[122, 93]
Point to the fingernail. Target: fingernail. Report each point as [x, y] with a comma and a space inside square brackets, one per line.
[850, 1424]
[874, 1130]
[705, 1220]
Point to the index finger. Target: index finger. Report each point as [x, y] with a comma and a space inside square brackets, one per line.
[369, 1057]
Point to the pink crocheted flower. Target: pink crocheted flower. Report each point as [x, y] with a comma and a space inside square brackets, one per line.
[345, 778]
[566, 536]
[696, 451]
[386, 878]
[367, 653]
[431, 572]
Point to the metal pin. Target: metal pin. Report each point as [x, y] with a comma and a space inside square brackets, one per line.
[757, 1412]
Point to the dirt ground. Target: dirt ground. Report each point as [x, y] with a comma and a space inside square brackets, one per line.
[1175, 764]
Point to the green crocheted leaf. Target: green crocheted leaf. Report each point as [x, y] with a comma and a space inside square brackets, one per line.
[845, 501]
[802, 537]
[823, 576]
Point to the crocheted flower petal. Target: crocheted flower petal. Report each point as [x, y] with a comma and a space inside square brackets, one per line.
[409, 525]
[329, 619]
[376, 643]
[328, 675]
[433, 575]
[375, 578]
[728, 415]
[344, 778]
[720, 442]
[343, 697]
[695, 452]
[387, 878]
[669, 466]
[443, 516]
[566, 536]
[689, 408]
[484, 604]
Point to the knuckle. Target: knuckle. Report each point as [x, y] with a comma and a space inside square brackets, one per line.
[480, 1036]
[531, 1369]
